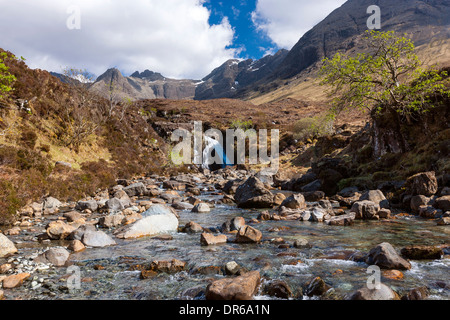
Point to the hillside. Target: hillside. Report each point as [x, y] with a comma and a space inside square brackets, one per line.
[427, 23]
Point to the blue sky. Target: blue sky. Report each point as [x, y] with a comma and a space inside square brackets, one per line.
[252, 42]
[181, 39]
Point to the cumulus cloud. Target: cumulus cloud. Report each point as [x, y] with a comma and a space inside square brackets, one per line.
[286, 21]
[171, 36]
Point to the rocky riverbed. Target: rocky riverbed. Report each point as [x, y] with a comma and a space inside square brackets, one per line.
[231, 234]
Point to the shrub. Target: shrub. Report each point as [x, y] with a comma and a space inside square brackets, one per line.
[312, 128]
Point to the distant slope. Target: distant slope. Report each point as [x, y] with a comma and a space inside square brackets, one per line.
[145, 85]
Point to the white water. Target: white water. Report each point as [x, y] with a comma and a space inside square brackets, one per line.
[212, 145]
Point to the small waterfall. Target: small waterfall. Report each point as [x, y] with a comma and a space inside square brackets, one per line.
[219, 158]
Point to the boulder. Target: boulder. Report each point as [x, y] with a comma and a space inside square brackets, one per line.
[7, 247]
[314, 196]
[182, 206]
[56, 256]
[318, 215]
[443, 203]
[73, 216]
[343, 220]
[385, 257]
[111, 221]
[316, 287]
[59, 230]
[15, 280]
[295, 201]
[238, 288]
[208, 239]
[115, 204]
[420, 293]
[424, 183]
[51, 203]
[159, 219]
[97, 239]
[136, 189]
[365, 210]
[253, 194]
[79, 232]
[417, 201]
[91, 205]
[193, 227]
[422, 253]
[384, 293]
[201, 208]
[247, 234]
[445, 221]
[375, 196]
[430, 212]
[233, 224]
[279, 289]
[231, 186]
[76, 246]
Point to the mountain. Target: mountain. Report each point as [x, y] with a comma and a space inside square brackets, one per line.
[426, 22]
[145, 85]
[233, 75]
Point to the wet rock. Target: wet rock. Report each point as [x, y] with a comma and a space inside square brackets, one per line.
[316, 287]
[59, 230]
[418, 201]
[76, 246]
[111, 221]
[15, 231]
[264, 216]
[385, 257]
[443, 203]
[208, 239]
[424, 183]
[87, 205]
[159, 219]
[305, 215]
[318, 215]
[279, 289]
[384, 293]
[174, 185]
[56, 256]
[97, 239]
[182, 206]
[136, 189]
[393, 274]
[232, 268]
[295, 201]
[301, 243]
[233, 224]
[422, 253]
[7, 247]
[193, 227]
[384, 214]
[375, 196]
[253, 194]
[430, 212]
[247, 234]
[240, 288]
[445, 221]
[365, 210]
[170, 267]
[201, 208]
[420, 293]
[343, 220]
[79, 232]
[15, 280]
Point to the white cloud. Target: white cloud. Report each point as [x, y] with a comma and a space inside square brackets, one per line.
[286, 21]
[171, 36]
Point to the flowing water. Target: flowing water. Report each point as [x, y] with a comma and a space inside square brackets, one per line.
[326, 256]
